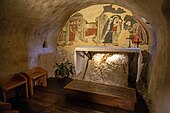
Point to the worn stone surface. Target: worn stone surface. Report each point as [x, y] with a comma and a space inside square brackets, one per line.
[26, 24]
[108, 70]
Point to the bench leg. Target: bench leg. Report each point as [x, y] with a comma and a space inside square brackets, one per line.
[31, 86]
[4, 95]
[44, 81]
[26, 89]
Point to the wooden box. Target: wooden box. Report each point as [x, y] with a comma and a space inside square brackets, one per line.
[122, 97]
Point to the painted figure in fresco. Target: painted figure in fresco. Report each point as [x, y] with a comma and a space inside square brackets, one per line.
[72, 31]
[113, 28]
[108, 33]
[117, 27]
[80, 29]
[137, 33]
[102, 21]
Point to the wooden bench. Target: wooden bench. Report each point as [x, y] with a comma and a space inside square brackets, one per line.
[13, 82]
[35, 76]
[114, 96]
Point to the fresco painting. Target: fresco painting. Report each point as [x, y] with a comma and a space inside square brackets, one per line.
[137, 33]
[112, 30]
[102, 25]
[108, 27]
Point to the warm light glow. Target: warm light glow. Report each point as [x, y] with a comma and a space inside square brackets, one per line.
[114, 57]
[98, 58]
[107, 58]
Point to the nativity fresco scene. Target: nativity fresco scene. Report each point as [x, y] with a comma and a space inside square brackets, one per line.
[109, 25]
[105, 28]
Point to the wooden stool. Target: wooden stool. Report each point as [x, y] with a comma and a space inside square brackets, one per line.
[35, 76]
[13, 82]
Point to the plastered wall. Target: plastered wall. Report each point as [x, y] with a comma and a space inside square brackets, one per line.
[26, 24]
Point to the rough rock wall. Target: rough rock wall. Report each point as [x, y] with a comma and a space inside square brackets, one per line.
[23, 31]
[26, 24]
[160, 80]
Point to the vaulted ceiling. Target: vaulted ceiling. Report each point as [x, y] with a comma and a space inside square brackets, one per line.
[25, 24]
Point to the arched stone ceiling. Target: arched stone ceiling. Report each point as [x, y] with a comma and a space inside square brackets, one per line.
[45, 15]
[25, 24]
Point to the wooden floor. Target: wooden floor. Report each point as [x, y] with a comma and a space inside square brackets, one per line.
[51, 99]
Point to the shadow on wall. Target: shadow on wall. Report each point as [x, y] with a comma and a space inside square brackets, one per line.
[142, 84]
[42, 51]
[14, 46]
[47, 61]
[21, 39]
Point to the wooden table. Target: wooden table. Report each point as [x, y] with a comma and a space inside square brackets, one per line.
[35, 76]
[115, 96]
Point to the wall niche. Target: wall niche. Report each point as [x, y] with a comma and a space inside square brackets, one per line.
[101, 25]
